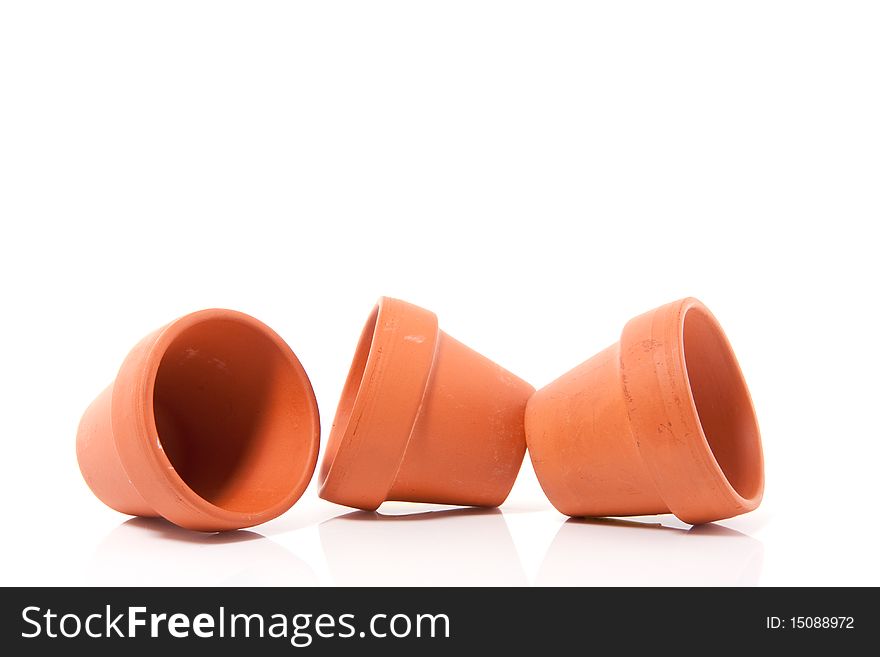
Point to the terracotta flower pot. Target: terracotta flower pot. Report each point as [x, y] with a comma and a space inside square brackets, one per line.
[423, 418]
[661, 421]
[211, 423]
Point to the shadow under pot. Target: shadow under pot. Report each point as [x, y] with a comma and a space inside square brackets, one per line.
[660, 421]
[210, 423]
[423, 418]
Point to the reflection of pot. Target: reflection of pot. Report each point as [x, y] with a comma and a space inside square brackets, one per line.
[661, 421]
[423, 418]
[153, 552]
[605, 552]
[210, 423]
[456, 547]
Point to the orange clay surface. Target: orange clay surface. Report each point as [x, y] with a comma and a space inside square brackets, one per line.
[661, 421]
[211, 423]
[423, 418]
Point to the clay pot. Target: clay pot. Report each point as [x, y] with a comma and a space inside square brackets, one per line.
[211, 423]
[661, 421]
[423, 418]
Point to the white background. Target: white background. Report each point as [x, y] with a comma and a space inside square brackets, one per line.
[534, 172]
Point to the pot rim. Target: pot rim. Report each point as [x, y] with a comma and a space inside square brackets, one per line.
[688, 453]
[379, 404]
[140, 449]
